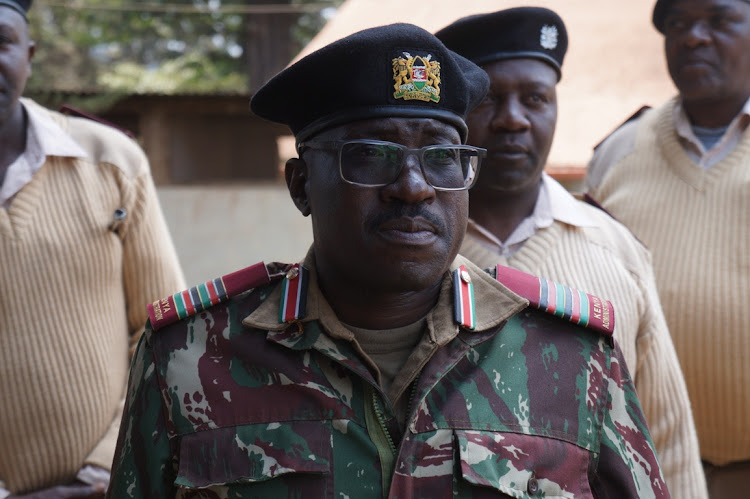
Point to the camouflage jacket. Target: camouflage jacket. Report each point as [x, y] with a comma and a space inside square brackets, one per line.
[524, 405]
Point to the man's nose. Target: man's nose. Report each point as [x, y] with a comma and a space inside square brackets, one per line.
[510, 116]
[410, 186]
[698, 33]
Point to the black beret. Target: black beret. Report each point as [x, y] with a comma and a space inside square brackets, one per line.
[660, 13]
[20, 6]
[399, 70]
[533, 32]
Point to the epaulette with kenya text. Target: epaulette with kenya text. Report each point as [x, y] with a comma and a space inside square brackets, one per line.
[198, 298]
[559, 300]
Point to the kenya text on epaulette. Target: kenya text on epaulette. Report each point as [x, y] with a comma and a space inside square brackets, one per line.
[192, 301]
[561, 301]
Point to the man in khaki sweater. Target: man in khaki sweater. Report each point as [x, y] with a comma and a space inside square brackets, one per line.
[83, 248]
[679, 177]
[523, 218]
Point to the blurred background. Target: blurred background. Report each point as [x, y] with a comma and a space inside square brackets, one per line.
[179, 74]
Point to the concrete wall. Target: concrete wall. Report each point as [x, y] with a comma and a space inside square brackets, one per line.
[220, 229]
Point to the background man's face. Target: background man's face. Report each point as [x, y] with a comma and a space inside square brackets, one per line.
[15, 59]
[515, 123]
[399, 237]
[707, 45]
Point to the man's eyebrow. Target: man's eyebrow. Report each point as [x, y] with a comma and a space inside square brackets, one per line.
[713, 9]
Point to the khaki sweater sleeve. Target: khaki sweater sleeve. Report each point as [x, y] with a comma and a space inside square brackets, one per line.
[150, 266]
[664, 397]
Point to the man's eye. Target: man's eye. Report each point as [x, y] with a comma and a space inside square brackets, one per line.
[489, 101]
[441, 155]
[536, 98]
[720, 21]
[367, 151]
[675, 24]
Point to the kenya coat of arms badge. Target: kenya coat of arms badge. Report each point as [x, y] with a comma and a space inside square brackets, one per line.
[416, 77]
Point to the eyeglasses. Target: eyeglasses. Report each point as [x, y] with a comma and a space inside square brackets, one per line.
[375, 163]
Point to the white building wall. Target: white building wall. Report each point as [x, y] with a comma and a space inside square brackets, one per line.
[220, 229]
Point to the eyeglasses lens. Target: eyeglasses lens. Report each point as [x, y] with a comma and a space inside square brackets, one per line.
[379, 164]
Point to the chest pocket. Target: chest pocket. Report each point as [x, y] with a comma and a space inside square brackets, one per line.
[290, 459]
[521, 466]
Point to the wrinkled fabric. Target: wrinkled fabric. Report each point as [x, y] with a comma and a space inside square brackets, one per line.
[533, 407]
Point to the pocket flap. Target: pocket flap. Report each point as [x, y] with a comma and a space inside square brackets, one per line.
[523, 465]
[253, 453]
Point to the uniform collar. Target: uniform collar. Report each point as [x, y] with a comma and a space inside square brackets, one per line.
[554, 203]
[48, 135]
[44, 138]
[565, 208]
[684, 129]
[494, 303]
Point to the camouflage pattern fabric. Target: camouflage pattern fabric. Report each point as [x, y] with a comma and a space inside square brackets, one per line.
[536, 407]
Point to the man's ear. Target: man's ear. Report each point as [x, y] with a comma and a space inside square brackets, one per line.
[32, 51]
[296, 180]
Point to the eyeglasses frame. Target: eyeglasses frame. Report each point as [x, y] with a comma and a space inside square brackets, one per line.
[338, 146]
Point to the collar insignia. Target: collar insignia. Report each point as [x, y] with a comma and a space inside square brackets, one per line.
[464, 310]
[548, 37]
[416, 77]
[294, 294]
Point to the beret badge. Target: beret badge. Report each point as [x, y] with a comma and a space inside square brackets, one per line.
[416, 77]
[548, 37]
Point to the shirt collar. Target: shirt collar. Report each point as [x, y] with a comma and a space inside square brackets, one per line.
[564, 206]
[685, 131]
[489, 296]
[48, 135]
[44, 137]
[553, 203]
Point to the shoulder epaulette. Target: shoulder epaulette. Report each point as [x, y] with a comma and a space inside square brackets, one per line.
[559, 300]
[198, 298]
[632, 117]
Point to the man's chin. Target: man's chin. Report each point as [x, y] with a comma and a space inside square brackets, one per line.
[411, 275]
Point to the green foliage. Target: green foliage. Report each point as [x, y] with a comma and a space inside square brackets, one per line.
[154, 46]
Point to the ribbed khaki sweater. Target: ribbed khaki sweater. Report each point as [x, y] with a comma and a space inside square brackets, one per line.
[606, 260]
[697, 224]
[73, 292]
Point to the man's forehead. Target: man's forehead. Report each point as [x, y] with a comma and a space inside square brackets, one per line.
[664, 8]
[706, 5]
[10, 19]
[18, 7]
[524, 67]
[390, 128]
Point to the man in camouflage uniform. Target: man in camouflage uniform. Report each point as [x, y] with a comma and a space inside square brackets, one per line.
[385, 364]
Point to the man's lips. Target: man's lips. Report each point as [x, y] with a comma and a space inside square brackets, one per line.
[408, 230]
[508, 151]
[695, 61]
